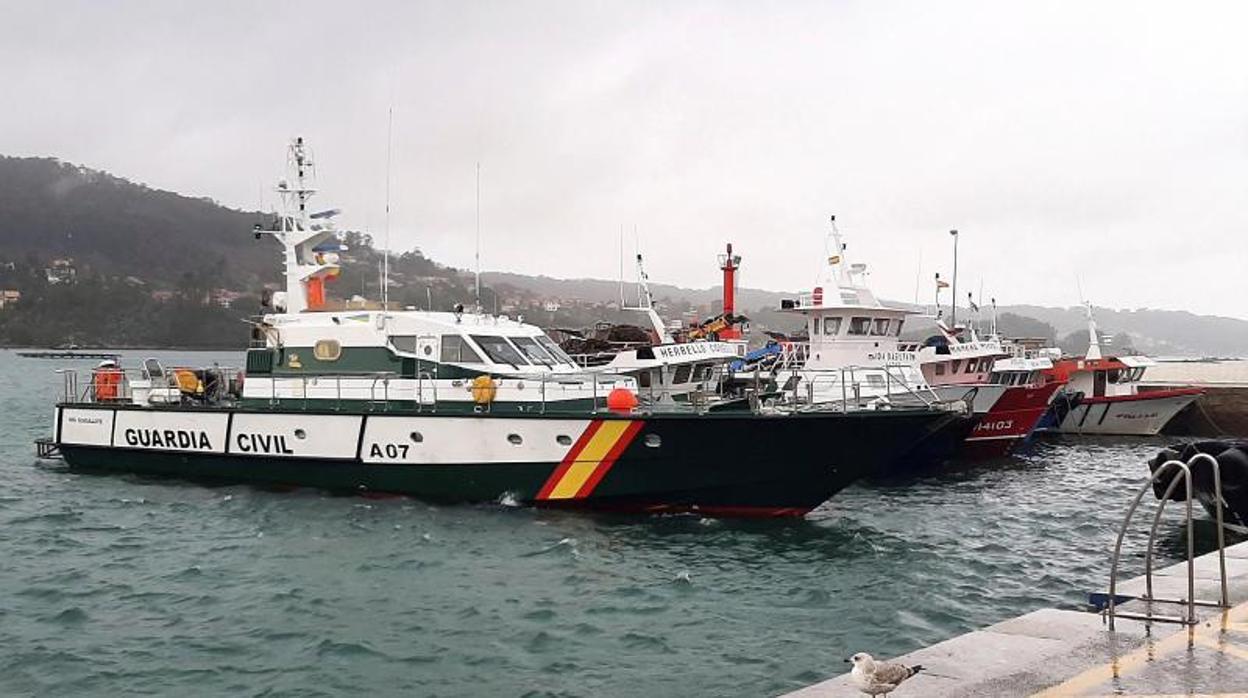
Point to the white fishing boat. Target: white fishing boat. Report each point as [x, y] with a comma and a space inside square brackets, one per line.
[1105, 397]
[854, 356]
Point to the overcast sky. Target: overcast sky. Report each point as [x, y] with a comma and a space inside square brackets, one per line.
[1106, 141]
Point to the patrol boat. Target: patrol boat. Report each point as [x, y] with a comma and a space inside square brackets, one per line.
[453, 406]
[1011, 393]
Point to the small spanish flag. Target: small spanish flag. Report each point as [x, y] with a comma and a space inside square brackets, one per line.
[834, 259]
[941, 283]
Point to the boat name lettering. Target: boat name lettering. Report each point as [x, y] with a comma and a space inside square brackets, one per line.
[84, 420]
[693, 348]
[1131, 415]
[966, 348]
[391, 451]
[262, 443]
[168, 438]
[899, 356]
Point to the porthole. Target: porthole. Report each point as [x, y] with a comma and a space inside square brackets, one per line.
[428, 350]
[327, 350]
[563, 440]
[301, 434]
[515, 439]
[417, 437]
[654, 440]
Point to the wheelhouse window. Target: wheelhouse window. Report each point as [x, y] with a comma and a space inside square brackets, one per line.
[643, 379]
[499, 350]
[701, 372]
[940, 369]
[682, 374]
[860, 325]
[405, 343]
[897, 330]
[454, 349]
[831, 326]
[879, 327]
[553, 349]
[973, 365]
[533, 351]
[814, 327]
[957, 363]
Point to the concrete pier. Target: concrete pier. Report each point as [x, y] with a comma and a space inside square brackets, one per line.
[1052, 652]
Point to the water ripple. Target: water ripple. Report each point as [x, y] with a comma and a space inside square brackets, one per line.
[118, 585]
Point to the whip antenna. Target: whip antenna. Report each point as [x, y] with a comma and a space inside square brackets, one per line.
[385, 269]
[478, 254]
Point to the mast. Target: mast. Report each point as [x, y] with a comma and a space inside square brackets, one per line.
[836, 256]
[309, 260]
[1094, 341]
[953, 312]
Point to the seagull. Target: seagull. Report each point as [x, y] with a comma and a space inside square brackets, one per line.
[874, 678]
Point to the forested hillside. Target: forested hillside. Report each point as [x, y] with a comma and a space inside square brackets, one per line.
[100, 260]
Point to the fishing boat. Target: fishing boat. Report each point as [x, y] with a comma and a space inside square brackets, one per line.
[667, 369]
[854, 358]
[1106, 395]
[1010, 392]
[457, 406]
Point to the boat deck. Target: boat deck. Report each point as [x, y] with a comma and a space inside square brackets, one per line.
[1052, 652]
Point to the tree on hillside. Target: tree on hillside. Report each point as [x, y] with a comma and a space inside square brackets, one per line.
[1121, 344]
[1075, 343]
[1019, 326]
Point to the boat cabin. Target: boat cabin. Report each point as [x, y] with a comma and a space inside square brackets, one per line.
[854, 348]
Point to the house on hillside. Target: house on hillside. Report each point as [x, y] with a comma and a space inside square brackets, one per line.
[225, 297]
[9, 297]
[62, 271]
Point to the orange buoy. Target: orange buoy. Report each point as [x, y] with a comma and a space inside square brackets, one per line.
[622, 400]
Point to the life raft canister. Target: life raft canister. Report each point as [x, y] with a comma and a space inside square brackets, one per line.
[622, 400]
[107, 383]
[483, 390]
[816, 298]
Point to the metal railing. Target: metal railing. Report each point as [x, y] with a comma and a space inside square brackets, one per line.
[793, 355]
[378, 391]
[847, 379]
[1182, 473]
[116, 385]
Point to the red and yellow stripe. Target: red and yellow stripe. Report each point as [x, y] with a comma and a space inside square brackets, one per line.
[589, 459]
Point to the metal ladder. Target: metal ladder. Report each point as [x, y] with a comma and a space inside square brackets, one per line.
[1184, 471]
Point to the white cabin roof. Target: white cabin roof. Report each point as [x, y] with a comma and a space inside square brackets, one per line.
[1136, 361]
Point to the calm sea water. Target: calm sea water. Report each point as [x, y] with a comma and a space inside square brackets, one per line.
[113, 585]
